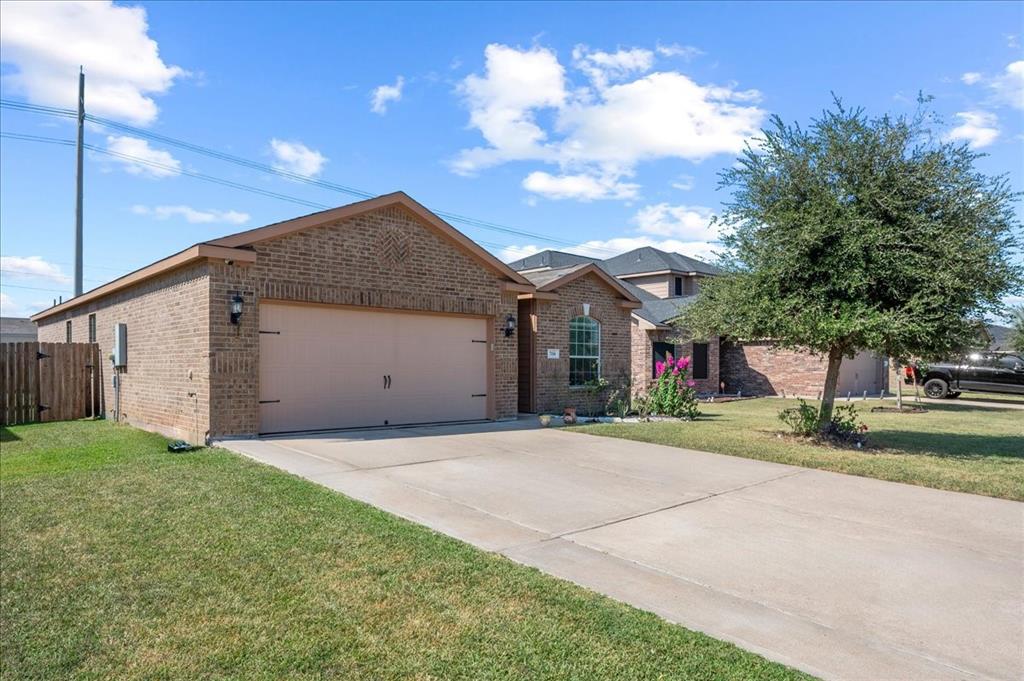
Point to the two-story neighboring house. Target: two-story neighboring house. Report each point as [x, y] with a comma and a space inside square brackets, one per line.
[664, 283]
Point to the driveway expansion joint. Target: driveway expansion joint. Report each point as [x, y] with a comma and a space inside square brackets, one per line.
[687, 502]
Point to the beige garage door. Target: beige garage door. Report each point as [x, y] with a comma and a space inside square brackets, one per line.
[323, 368]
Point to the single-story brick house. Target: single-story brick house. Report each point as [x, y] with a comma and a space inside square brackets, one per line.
[375, 313]
[574, 329]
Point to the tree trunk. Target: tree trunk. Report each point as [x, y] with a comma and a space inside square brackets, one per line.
[828, 396]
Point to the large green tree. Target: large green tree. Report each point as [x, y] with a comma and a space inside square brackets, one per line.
[860, 233]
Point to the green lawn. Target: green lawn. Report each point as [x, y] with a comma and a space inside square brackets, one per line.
[955, 447]
[121, 560]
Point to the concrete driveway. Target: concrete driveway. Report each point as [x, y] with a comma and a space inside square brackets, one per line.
[840, 576]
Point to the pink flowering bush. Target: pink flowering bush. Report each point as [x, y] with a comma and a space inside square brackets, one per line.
[672, 393]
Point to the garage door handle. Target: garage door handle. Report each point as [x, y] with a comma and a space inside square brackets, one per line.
[387, 382]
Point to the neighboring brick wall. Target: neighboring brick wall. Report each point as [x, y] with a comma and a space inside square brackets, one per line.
[385, 259]
[552, 390]
[167, 338]
[642, 351]
[760, 368]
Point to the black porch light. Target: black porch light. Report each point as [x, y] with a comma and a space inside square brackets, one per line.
[236, 308]
[510, 325]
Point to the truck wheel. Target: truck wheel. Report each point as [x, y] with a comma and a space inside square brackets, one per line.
[936, 388]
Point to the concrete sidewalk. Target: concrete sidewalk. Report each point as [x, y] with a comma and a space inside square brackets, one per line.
[840, 576]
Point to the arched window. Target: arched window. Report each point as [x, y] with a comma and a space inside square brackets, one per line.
[584, 350]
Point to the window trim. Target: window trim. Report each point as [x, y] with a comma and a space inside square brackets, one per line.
[597, 332]
[678, 287]
[68, 332]
[92, 328]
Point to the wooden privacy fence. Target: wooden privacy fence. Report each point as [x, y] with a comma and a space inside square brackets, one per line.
[49, 382]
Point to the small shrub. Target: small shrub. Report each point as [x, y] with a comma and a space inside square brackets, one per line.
[845, 425]
[618, 403]
[801, 419]
[672, 393]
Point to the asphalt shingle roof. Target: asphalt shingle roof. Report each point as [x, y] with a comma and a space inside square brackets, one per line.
[549, 258]
[544, 277]
[655, 310]
[648, 259]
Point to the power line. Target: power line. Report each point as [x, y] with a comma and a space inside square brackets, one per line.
[262, 167]
[173, 169]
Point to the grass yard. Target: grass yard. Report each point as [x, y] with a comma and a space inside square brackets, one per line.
[954, 447]
[121, 560]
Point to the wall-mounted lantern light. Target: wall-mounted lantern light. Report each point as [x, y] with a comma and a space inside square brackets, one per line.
[510, 325]
[236, 308]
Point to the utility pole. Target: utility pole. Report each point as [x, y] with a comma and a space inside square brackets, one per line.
[78, 183]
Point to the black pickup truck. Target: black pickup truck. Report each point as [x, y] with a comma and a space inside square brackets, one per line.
[991, 372]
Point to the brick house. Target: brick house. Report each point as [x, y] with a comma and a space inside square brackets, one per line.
[665, 283]
[375, 313]
[573, 329]
[662, 283]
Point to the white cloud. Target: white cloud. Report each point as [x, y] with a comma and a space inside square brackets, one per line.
[687, 52]
[164, 165]
[503, 103]
[193, 216]
[582, 187]
[677, 229]
[381, 95]
[604, 67]
[685, 182]
[979, 129]
[47, 41]
[601, 130]
[31, 267]
[1005, 89]
[9, 308]
[1008, 87]
[296, 157]
[690, 223]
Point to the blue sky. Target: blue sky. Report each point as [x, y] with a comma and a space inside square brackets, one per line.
[599, 126]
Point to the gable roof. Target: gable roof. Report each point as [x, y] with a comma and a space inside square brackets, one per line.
[548, 280]
[550, 259]
[280, 229]
[649, 259]
[238, 247]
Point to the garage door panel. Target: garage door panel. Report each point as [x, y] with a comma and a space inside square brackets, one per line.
[327, 368]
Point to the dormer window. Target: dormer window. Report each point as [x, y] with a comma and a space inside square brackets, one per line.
[679, 286]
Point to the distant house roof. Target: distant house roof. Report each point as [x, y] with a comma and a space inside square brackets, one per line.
[549, 266]
[17, 330]
[999, 336]
[549, 259]
[648, 259]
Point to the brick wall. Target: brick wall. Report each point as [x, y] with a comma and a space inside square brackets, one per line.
[165, 386]
[552, 391]
[763, 369]
[642, 351]
[385, 259]
[760, 368]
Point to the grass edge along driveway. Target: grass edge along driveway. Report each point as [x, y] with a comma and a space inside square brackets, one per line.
[120, 559]
[955, 447]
